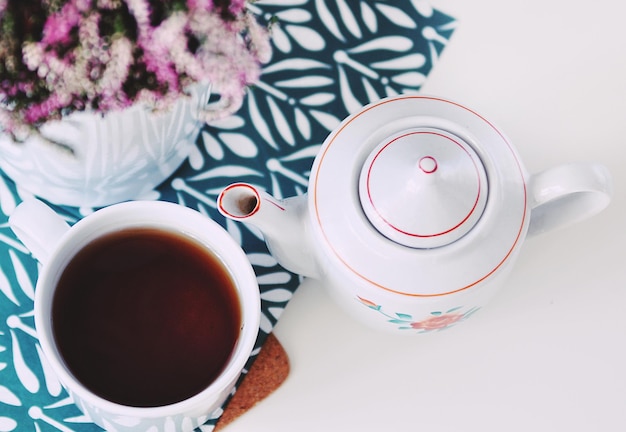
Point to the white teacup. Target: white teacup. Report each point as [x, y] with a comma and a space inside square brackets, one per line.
[84, 333]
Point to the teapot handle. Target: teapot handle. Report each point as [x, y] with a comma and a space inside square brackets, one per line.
[567, 194]
[38, 227]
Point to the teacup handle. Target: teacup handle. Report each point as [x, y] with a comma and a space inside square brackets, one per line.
[38, 227]
[566, 194]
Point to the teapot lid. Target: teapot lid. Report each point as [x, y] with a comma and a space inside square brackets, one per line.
[423, 188]
[418, 196]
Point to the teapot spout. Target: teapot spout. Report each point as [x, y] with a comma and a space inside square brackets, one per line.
[282, 223]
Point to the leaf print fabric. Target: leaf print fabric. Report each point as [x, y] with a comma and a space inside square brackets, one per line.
[330, 58]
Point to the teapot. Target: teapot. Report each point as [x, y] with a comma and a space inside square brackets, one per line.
[416, 210]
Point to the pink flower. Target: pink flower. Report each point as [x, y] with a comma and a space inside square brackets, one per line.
[59, 25]
[141, 11]
[237, 6]
[36, 112]
[82, 5]
[194, 5]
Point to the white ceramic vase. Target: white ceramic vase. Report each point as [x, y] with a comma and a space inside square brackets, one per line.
[103, 159]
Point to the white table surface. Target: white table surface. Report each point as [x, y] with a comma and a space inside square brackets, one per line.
[549, 352]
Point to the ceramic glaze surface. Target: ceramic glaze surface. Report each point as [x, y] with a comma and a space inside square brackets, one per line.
[417, 207]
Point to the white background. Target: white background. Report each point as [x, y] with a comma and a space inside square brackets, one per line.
[549, 352]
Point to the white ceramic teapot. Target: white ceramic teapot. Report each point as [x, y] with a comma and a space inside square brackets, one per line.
[416, 209]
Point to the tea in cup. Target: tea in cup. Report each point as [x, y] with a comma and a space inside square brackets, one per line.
[146, 310]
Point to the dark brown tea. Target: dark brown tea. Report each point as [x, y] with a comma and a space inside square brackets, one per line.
[145, 317]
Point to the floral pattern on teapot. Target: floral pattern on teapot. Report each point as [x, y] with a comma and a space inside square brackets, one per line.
[437, 321]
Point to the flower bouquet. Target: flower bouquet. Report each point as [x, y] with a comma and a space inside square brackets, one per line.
[122, 86]
[62, 56]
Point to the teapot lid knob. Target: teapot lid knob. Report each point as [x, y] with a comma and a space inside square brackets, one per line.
[423, 188]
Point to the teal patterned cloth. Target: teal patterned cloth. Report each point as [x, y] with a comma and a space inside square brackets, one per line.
[331, 57]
